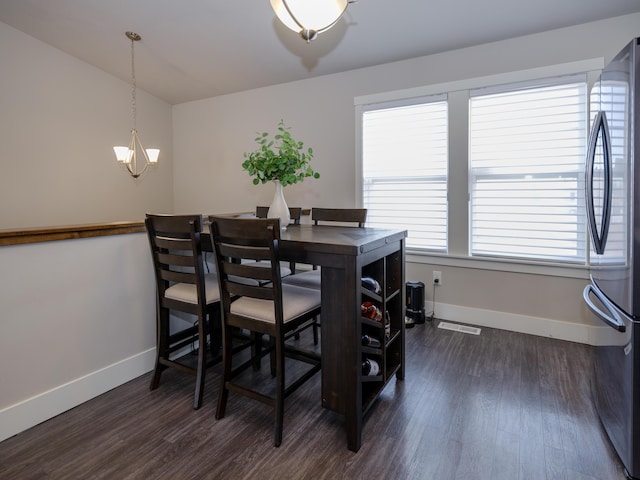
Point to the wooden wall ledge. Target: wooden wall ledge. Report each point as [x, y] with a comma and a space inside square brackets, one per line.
[49, 234]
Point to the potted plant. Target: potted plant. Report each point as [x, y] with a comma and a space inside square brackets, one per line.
[282, 160]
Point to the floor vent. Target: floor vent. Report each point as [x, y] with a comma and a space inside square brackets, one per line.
[459, 328]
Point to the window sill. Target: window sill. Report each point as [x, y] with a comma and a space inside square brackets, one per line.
[500, 265]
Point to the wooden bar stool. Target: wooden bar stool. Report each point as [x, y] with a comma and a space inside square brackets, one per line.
[265, 307]
[182, 286]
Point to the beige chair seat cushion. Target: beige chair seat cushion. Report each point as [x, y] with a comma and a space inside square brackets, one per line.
[308, 279]
[186, 292]
[295, 302]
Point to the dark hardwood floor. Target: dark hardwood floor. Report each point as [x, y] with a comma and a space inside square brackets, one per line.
[500, 405]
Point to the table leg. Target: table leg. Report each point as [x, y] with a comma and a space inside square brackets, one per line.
[340, 325]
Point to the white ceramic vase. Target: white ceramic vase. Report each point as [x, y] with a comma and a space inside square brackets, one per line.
[279, 208]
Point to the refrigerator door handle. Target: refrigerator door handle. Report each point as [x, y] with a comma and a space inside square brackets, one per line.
[612, 317]
[599, 237]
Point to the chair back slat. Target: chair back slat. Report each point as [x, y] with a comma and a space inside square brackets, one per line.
[182, 260]
[295, 213]
[175, 244]
[342, 215]
[174, 225]
[253, 290]
[244, 231]
[245, 251]
[247, 271]
[178, 277]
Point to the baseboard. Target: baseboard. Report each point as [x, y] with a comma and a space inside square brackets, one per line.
[28, 413]
[544, 327]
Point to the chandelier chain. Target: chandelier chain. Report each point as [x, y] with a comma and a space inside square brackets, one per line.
[133, 85]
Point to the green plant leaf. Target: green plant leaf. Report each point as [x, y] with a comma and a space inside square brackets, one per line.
[281, 158]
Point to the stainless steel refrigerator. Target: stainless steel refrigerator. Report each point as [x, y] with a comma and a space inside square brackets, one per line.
[612, 189]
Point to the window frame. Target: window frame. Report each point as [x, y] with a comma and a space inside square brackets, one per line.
[458, 182]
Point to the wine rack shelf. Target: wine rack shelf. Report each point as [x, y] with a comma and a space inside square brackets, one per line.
[388, 271]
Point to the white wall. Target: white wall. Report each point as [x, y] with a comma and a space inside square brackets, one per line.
[211, 135]
[59, 120]
[78, 318]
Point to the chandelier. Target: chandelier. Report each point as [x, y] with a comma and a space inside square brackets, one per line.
[129, 156]
[309, 18]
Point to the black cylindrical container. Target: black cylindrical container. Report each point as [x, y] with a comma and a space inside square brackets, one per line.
[415, 301]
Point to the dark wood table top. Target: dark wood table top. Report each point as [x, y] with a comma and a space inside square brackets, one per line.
[338, 240]
[328, 239]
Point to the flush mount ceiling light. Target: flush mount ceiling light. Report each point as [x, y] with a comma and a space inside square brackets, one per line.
[128, 156]
[310, 17]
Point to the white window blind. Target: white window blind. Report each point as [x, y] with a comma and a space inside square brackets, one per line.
[527, 146]
[404, 165]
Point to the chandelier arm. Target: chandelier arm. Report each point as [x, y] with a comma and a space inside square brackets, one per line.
[132, 165]
[134, 145]
[147, 162]
[137, 174]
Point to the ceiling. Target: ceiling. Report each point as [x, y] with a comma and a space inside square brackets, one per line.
[194, 49]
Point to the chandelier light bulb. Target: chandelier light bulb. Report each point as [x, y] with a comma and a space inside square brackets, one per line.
[152, 154]
[123, 154]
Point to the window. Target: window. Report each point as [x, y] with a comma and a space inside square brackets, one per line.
[488, 171]
[404, 167]
[527, 145]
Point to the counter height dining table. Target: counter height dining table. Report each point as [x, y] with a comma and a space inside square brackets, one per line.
[345, 255]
